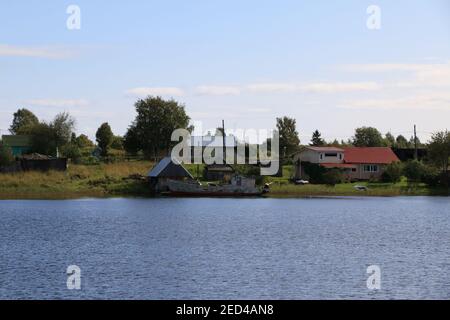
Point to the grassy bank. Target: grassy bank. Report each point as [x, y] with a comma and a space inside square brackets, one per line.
[109, 180]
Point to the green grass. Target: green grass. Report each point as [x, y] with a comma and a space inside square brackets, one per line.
[109, 180]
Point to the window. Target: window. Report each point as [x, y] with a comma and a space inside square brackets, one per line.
[321, 156]
[340, 156]
[371, 168]
[334, 155]
[353, 169]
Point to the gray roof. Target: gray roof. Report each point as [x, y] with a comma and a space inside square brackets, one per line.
[213, 141]
[168, 168]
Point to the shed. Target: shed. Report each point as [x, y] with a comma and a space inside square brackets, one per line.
[19, 144]
[167, 169]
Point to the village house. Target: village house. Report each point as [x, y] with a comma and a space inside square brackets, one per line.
[355, 163]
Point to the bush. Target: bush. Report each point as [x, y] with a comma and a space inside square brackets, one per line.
[6, 156]
[71, 151]
[332, 177]
[392, 173]
[315, 172]
[414, 170]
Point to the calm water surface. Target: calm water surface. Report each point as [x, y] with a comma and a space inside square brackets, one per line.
[226, 248]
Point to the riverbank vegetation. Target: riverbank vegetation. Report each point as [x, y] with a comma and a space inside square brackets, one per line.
[116, 165]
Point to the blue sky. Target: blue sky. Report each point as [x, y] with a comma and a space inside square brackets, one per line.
[247, 62]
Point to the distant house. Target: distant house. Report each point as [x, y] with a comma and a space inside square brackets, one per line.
[19, 144]
[355, 163]
[166, 170]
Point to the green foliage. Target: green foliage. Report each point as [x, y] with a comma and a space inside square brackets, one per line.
[154, 124]
[104, 138]
[62, 126]
[315, 172]
[23, 120]
[392, 173]
[389, 140]
[117, 143]
[316, 139]
[289, 140]
[367, 137]
[401, 142]
[439, 149]
[83, 141]
[332, 177]
[6, 156]
[71, 151]
[414, 170]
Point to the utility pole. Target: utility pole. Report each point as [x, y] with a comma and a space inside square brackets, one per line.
[223, 141]
[416, 156]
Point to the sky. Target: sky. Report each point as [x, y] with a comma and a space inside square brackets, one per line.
[247, 62]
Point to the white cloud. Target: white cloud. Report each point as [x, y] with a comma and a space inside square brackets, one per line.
[425, 74]
[155, 91]
[58, 102]
[424, 101]
[319, 87]
[218, 90]
[36, 52]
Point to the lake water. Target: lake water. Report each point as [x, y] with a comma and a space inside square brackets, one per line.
[226, 248]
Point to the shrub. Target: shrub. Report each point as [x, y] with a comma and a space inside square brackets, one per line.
[332, 177]
[392, 173]
[71, 151]
[414, 170]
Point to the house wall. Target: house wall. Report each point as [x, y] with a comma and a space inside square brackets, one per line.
[361, 174]
[312, 156]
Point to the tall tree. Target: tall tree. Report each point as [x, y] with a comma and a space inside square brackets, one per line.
[316, 139]
[154, 124]
[367, 137]
[23, 121]
[439, 149]
[289, 140]
[62, 125]
[104, 138]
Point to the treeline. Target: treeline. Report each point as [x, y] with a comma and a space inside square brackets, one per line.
[149, 136]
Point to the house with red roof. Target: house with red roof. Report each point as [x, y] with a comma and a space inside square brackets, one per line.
[355, 163]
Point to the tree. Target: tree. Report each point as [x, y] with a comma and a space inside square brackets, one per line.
[62, 125]
[6, 155]
[414, 170]
[316, 139]
[393, 172]
[23, 120]
[130, 141]
[439, 150]
[83, 141]
[401, 142]
[389, 140]
[43, 139]
[154, 124]
[117, 143]
[367, 137]
[289, 140]
[104, 137]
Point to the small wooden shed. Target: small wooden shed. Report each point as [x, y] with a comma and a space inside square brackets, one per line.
[167, 169]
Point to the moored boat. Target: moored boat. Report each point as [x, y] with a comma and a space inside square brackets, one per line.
[238, 187]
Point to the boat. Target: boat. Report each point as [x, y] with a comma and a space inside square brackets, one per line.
[238, 187]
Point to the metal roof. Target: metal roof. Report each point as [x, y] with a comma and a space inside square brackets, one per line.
[169, 168]
[17, 140]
